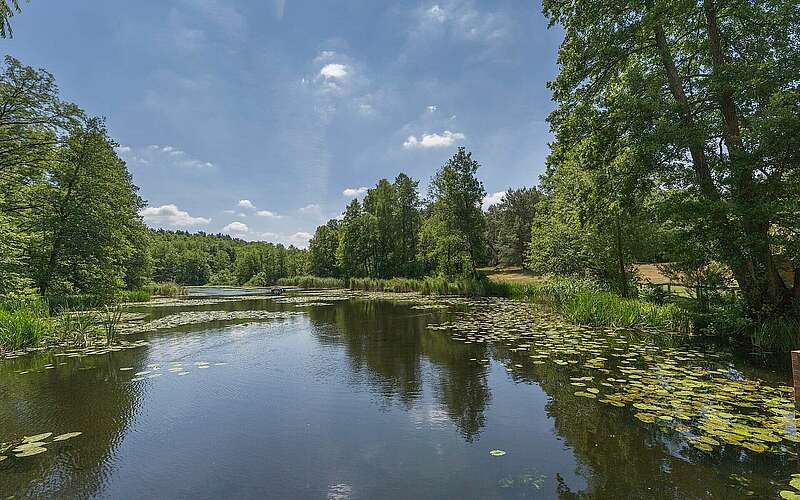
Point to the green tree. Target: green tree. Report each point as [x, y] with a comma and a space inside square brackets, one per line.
[697, 89]
[7, 11]
[408, 220]
[508, 230]
[456, 198]
[322, 250]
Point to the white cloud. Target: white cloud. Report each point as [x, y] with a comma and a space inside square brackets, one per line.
[163, 156]
[236, 228]
[230, 211]
[267, 213]
[299, 239]
[436, 13]
[434, 140]
[432, 108]
[461, 21]
[493, 199]
[353, 192]
[171, 215]
[312, 208]
[246, 204]
[335, 71]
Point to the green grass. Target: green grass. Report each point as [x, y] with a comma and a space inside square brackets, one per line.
[312, 282]
[555, 292]
[166, 289]
[608, 309]
[779, 334]
[470, 287]
[24, 323]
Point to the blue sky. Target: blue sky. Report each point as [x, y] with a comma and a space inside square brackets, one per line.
[262, 118]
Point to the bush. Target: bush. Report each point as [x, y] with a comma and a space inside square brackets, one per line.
[555, 292]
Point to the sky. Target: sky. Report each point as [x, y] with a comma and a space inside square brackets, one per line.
[264, 118]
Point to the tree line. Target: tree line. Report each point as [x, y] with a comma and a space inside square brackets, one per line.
[394, 232]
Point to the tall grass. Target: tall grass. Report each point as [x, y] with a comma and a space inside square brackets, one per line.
[134, 296]
[470, 287]
[779, 334]
[166, 289]
[24, 323]
[312, 282]
[555, 292]
[607, 309]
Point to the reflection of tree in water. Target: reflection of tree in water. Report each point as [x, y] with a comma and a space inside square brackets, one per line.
[388, 345]
[71, 400]
[622, 458]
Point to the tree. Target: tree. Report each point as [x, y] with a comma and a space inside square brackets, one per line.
[322, 250]
[456, 197]
[408, 220]
[381, 203]
[696, 88]
[508, 230]
[6, 13]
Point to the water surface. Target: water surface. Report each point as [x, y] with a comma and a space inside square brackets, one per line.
[351, 399]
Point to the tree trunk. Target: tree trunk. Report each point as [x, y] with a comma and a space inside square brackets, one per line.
[621, 259]
[766, 281]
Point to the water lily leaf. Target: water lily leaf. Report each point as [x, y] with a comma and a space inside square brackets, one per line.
[3, 457]
[38, 437]
[31, 452]
[497, 453]
[789, 495]
[68, 435]
[585, 395]
[795, 483]
[28, 446]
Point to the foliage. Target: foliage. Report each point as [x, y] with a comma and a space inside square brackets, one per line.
[508, 227]
[200, 259]
[697, 101]
[607, 309]
[23, 323]
[169, 289]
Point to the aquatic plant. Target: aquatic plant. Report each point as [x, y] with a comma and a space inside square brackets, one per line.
[110, 321]
[134, 296]
[607, 309]
[23, 323]
[168, 289]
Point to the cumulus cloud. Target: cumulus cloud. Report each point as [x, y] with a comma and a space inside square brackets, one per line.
[236, 228]
[269, 214]
[312, 208]
[334, 70]
[353, 192]
[447, 138]
[246, 204]
[171, 215]
[493, 199]
[432, 108]
[299, 239]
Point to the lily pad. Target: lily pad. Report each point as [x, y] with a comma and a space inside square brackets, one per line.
[497, 453]
[31, 452]
[38, 437]
[68, 435]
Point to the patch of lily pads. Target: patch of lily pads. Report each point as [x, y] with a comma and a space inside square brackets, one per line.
[199, 317]
[685, 390]
[30, 446]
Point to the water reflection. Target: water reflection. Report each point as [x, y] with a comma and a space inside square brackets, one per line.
[356, 399]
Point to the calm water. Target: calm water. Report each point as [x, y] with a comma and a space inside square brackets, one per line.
[351, 400]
